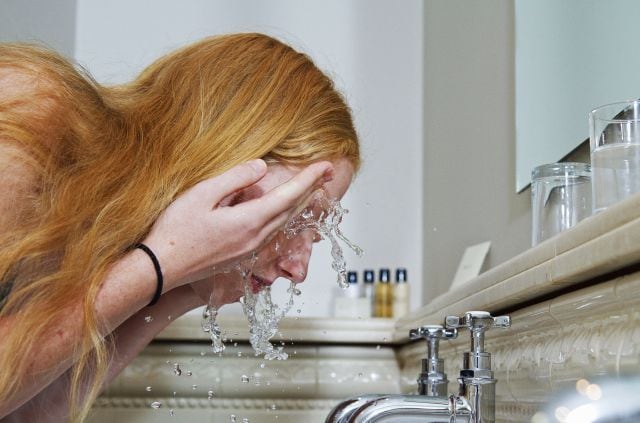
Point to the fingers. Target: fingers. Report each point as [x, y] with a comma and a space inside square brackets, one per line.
[292, 193]
[233, 180]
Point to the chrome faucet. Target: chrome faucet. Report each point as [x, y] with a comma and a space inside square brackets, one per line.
[433, 380]
[475, 402]
[476, 380]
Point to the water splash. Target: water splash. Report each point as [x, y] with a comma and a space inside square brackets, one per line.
[264, 316]
[324, 215]
[210, 326]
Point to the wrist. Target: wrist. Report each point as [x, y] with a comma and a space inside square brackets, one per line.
[167, 258]
[158, 271]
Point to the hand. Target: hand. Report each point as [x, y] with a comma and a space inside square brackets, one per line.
[197, 231]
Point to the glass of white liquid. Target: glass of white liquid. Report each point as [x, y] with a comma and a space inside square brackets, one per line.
[560, 198]
[614, 133]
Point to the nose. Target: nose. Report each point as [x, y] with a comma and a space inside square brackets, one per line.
[294, 263]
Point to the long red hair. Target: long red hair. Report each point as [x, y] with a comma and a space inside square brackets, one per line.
[108, 160]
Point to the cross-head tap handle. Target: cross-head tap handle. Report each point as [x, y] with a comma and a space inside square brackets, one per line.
[478, 322]
[433, 334]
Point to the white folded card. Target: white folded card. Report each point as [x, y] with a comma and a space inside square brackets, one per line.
[471, 263]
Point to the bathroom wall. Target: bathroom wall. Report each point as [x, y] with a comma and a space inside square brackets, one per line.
[469, 154]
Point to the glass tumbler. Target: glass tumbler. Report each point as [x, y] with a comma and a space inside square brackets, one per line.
[614, 134]
[560, 198]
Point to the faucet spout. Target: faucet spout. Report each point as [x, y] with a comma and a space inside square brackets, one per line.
[403, 409]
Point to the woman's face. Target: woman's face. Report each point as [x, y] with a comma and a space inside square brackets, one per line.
[281, 256]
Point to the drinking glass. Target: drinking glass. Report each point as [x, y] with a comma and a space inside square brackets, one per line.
[560, 198]
[614, 133]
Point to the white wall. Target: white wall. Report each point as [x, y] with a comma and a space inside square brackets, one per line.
[372, 49]
[469, 184]
[50, 22]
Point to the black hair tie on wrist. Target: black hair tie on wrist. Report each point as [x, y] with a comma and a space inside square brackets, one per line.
[156, 265]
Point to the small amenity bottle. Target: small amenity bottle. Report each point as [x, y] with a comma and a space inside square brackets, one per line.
[384, 295]
[351, 303]
[353, 291]
[369, 291]
[401, 294]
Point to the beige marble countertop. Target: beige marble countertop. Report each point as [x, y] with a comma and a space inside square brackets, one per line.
[590, 252]
[598, 246]
[291, 329]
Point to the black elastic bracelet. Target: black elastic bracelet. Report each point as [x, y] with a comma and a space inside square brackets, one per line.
[156, 265]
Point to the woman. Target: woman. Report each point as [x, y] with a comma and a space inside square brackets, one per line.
[200, 159]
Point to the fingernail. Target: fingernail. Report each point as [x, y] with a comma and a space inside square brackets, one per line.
[258, 165]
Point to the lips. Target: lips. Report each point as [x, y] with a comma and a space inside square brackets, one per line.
[258, 283]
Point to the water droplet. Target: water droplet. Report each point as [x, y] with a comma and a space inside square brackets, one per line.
[273, 407]
[156, 404]
[239, 353]
[194, 387]
[148, 388]
[171, 413]
[245, 420]
[244, 379]
[332, 374]
[298, 311]
[232, 418]
[202, 353]
[174, 393]
[176, 369]
[360, 374]
[377, 347]
[169, 317]
[209, 394]
[148, 319]
[189, 373]
[262, 365]
[210, 326]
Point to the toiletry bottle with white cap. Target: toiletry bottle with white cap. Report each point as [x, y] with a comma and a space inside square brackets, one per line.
[369, 290]
[401, 294]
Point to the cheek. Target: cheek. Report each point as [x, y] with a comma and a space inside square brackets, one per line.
[281, 246]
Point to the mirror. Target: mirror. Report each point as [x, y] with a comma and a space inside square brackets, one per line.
[571, 57]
